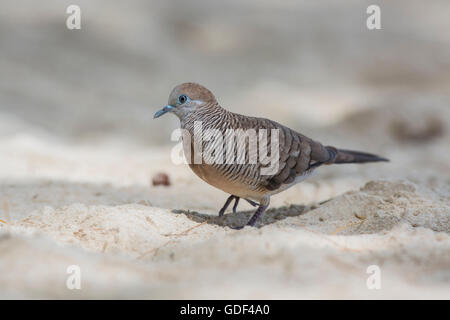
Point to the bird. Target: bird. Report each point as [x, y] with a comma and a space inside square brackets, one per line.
[296, 156]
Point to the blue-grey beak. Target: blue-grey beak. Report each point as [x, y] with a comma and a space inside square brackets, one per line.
[164, 110]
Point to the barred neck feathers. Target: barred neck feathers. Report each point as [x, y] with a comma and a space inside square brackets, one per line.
[211, 115]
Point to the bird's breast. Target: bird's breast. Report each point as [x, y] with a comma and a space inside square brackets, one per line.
[215, 176]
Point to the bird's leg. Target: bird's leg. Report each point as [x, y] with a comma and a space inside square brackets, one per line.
[262, 207]
[227, 203]
[236, 202]
[253, 203]
[255, 217]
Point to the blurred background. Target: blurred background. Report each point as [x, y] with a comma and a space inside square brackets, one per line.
[79, 148]
[306, 64]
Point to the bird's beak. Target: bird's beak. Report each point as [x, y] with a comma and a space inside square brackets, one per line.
[164, 110]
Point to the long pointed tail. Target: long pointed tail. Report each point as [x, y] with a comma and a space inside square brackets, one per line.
[350, 156]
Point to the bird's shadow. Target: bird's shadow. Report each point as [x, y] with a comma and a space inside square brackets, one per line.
[241, 218]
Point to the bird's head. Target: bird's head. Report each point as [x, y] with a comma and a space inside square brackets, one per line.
[185, 99]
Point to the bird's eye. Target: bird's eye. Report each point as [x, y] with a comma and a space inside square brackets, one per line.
[182, 99]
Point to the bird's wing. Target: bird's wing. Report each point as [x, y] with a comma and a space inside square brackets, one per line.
[298, 155]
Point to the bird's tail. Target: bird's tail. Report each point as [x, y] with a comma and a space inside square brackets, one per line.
[350, 156]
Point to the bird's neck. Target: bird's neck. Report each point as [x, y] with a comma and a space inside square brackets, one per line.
[210, 115]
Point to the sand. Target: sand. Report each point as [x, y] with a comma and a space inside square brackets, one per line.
[78, 151]
[96, 208]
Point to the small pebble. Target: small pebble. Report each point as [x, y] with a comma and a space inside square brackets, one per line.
[161, 179]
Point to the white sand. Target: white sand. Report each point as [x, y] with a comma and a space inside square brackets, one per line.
[95, 207]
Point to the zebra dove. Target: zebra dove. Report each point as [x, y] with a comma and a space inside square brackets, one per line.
[296, 156]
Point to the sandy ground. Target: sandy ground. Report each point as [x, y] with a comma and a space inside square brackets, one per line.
[96, 208]
[78, 150]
